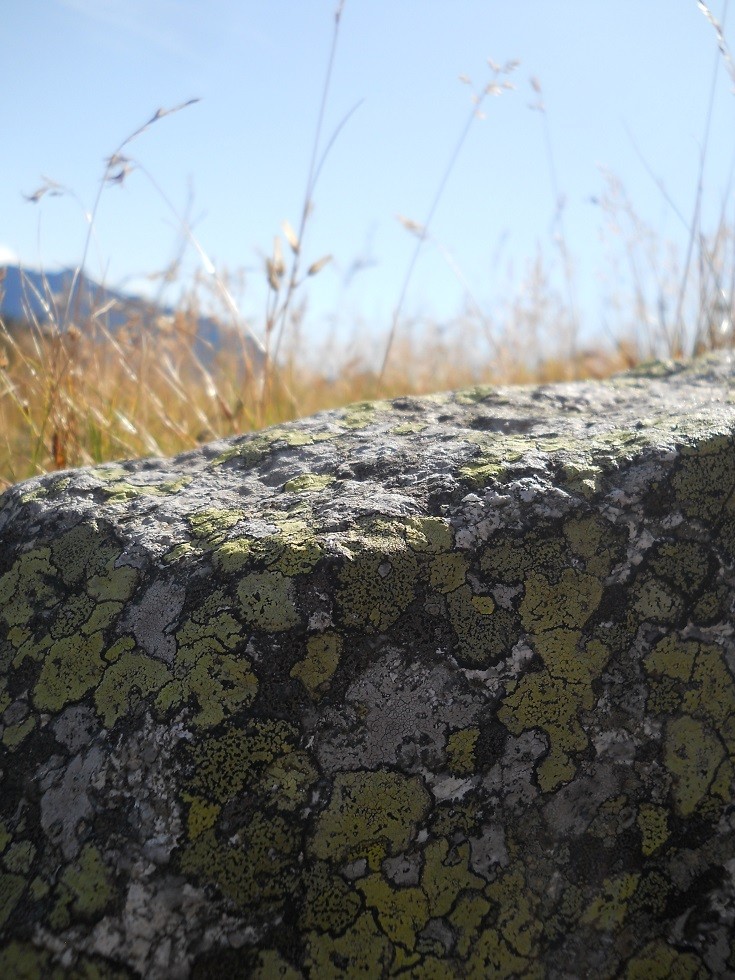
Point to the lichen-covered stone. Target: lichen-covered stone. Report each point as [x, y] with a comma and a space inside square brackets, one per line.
[426, 688]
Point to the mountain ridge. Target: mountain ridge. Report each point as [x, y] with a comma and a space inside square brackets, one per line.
[34, 296]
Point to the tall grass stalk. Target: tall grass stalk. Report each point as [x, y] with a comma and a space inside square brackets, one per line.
[493, 88]
[560, 237]
[280, 309]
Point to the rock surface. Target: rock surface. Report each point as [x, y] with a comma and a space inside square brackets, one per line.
[432, 687]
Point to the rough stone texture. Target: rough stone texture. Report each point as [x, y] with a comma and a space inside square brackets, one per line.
[431, 687]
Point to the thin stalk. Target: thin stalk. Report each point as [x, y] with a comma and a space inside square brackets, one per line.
[423, 229]
[116, 160]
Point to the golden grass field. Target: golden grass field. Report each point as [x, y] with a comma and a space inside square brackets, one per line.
[86, 396]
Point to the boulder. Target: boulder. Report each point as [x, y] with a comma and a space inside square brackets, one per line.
[428, 687]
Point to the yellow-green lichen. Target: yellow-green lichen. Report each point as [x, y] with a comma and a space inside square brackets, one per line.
[704, 478]
[202, 815]
[705, 687]
[652, 895]
[5, 698]
[491, 464]
[447, 571]
[692, 754]
[233, 556]
[83, 562]
[257, 448]
[363, 950]
[567, 603]
[581, 462]
[492, 955]
[517, 904]
[401, 912]
[556, 564]
[130, 679]
[506, 945]
[597, 542]
[654, 599]
[71, 667]
[271, 965]
[612, 818]
[223, 766]
[653, 822]
[430, 534]
[484, 631]
[308, 483]
[287, 780]
[553, 698]
[461, 751]
[581, 478]
[467, 917]
[659, 961]
[255, 867]
[608, 910]
[267, 601]
[446, 875]
[23, 961]
[26, 588]
[359, 414]
[18, 858]
[378, 584]
[292, 550]
[554, 609]
[692, 681]
[217, 684]
[212, 525]
[210, 626]
[474, 395]
[261, 770]
[121, 491]
[318, 666]
[12, 887]
[15, 735]
[82, 554]
[370, 815]
[330, 905]
[84, 890]
[52, 488]
[116, 584]
[686, 565]
[298, 550]
[210, 669]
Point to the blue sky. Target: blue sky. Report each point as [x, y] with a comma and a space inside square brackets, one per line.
[622, 83]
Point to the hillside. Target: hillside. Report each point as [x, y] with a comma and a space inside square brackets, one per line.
[42, 298]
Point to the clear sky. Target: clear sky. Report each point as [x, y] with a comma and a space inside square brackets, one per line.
[623, 82]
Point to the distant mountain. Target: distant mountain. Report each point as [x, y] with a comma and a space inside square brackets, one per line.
[30, 296]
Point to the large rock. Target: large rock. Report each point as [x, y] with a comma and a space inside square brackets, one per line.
[431, 687]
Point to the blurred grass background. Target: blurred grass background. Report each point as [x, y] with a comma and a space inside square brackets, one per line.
[73, 391]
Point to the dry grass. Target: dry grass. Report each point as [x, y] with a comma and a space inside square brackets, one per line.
[85, 394]
[73, 392]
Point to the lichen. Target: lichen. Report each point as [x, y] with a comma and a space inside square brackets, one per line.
[318, 666]
[370, 815]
